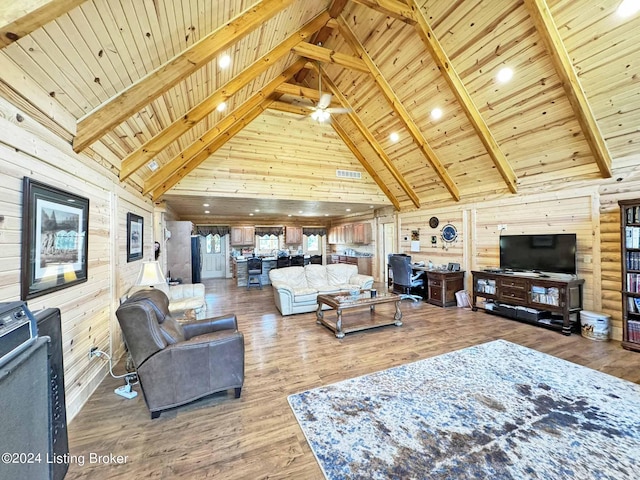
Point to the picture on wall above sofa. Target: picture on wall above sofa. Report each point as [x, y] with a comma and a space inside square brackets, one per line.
[55, 227]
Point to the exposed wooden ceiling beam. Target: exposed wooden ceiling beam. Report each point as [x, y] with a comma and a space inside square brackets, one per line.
[398, 107]
[321, 37]
[289, 108]
[19, 18]
[367, 166]
[546, 27]
[175, 164]
[299, 91]
[458, 89]
[326, 55]
[126, 103]
[181, 125]
[392, 8]
[370, 139]
[210, 149]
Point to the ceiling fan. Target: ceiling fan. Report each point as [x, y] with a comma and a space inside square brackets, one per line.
[322, 111]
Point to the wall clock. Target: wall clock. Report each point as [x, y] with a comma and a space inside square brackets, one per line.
[433, 222]
[449, 233]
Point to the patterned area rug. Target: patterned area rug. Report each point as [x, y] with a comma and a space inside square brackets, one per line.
[496, 410]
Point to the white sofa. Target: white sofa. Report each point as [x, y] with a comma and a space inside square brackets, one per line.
[295, 289]
[183, 296]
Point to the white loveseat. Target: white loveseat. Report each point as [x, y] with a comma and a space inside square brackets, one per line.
[295, 289]
[183, 296]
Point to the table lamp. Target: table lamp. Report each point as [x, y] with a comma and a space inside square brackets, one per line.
[150, 275]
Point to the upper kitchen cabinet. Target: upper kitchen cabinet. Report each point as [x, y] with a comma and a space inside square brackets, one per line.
[293, 235]
[242, 236]
[362, 233]
[351, 233]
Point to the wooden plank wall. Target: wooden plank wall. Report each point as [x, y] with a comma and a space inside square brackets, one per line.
[88, 309]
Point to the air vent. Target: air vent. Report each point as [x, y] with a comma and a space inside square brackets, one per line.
[348, 174]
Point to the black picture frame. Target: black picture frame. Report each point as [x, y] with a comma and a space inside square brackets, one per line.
[55, 239]
[135, 237]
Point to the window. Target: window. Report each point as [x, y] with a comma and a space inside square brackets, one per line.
[268, 243]
[213, 244]
[313, 243]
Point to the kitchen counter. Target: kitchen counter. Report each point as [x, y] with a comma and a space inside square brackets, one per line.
[240, 270]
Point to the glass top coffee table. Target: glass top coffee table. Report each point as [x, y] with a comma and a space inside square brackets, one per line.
[345, 301]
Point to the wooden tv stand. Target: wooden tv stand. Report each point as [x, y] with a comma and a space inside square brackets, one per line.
[507, 293]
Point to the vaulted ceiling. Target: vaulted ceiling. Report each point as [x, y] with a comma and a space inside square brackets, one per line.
[136, 83]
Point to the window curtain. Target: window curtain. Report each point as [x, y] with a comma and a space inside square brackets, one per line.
[313, 231]
[205, 230]
[262, 231]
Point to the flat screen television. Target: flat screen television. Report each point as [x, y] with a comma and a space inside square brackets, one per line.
[540, 253]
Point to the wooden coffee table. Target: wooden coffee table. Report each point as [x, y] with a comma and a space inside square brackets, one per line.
[344, 301]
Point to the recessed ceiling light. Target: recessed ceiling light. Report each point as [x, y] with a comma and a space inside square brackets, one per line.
[205, 204]
[370, 206]
[222, 107]
[628, 8]
[394, 137]
[326, 214]
[289, 215]
[436, 113]
[504, 75]
[257, 210]
[153, 165]
[348, 209]
[299, 211]
[224, 61]
[207, 211]
[251, 214]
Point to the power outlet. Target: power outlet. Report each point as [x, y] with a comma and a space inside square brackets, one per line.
[502, 226]
[94, 352]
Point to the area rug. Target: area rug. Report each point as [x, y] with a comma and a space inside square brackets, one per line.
[496, 410]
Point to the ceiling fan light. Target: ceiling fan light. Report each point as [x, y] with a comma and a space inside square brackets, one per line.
[320, 115]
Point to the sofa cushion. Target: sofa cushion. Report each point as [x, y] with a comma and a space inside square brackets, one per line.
[292, 276]
[316, 275]
[326, 289]
[305, 294]
[340, 273]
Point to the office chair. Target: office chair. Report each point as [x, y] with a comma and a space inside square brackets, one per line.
[403, 277]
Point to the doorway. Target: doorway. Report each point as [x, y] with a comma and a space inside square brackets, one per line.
[388, 247]
[214, 254]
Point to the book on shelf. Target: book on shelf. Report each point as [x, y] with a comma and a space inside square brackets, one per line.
[633, 331]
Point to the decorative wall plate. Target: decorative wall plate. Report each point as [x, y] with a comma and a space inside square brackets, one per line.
[433, 222]
[449, 233]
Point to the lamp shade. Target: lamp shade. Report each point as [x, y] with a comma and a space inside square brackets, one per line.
[150, 274]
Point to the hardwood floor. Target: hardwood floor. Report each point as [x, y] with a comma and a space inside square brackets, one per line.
[257, 436]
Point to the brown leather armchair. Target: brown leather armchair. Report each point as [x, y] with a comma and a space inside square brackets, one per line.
[178, 363]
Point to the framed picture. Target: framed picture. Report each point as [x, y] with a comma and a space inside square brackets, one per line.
[55, 231]
[135, 225]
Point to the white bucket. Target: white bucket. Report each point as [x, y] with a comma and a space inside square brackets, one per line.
[595, 326]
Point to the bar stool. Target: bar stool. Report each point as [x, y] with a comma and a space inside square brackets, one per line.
[282, 262]
[297, 261]
[254, 272]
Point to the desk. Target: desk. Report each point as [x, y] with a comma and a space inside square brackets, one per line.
[441, 285]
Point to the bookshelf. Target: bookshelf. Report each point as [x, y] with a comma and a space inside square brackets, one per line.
[630, 257]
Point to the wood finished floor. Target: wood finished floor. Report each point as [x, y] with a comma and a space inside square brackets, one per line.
[257, 436]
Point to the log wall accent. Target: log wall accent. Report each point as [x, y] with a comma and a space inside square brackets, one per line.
[88, 309]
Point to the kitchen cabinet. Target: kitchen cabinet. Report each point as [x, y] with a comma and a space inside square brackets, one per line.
[242, 236]
[350, 233]
[364, 264]
[362, 233]
[293, 236]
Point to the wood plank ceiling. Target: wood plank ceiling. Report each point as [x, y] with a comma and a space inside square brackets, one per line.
[141, 80]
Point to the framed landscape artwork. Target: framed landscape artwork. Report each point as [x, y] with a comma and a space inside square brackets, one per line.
[55, 226]
[135, 225]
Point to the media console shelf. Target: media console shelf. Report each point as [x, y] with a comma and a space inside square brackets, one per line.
[547, 302]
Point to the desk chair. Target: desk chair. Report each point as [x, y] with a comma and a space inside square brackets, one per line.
[403, 277]
[254, 272]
